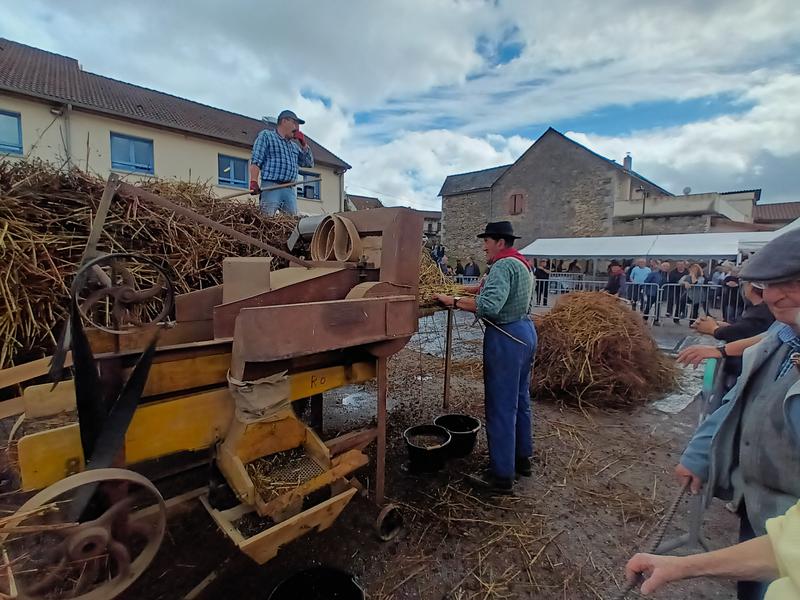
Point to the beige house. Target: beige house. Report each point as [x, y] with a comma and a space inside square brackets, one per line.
[52, 109]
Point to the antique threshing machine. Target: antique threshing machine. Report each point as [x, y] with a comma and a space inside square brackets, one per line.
[222, 376]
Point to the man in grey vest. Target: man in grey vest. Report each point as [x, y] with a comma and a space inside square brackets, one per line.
[748, 450]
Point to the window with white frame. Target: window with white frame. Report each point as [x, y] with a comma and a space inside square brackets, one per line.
[129, 153]
[232, 171]
[10, 133]
[310, 190]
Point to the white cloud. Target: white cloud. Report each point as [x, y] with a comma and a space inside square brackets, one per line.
[434, 105]
[721, 153]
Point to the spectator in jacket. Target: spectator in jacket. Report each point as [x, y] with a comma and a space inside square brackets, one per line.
[693, 282]
[638, 274]
[748, 450]
[731, 300]
[654, 282]
[471, 269]
[542, 275]
[674, 295]
[756, 318]
[617, 284]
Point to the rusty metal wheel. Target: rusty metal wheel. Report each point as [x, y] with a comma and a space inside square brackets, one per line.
[87, 537]
[121, 292]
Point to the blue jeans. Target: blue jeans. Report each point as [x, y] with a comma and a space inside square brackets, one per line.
[507, 366]
[283, 199]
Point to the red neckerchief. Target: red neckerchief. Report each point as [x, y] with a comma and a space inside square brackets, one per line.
[509, 253]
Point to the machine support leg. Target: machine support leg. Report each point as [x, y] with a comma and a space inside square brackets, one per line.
[380, 461]
[447, 351]
[316, 413]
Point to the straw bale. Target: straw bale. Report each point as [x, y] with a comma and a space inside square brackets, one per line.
[593, 349]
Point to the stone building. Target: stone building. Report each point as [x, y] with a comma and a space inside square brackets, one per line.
[560, 188]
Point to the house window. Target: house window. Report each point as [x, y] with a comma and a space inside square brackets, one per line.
[131, 153]
[516, 204]
[308, 190]
[232, 171]
[430, 227]
[10, 133]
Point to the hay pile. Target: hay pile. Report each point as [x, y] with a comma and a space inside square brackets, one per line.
[432, 281]
[45, 218]
[595, 350]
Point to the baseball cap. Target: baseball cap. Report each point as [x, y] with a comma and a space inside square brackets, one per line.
[288, 114]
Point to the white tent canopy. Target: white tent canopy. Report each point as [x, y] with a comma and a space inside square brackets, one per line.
[750, 244]
[689, 245]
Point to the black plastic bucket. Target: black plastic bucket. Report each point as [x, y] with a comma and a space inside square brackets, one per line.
[318, 583]
[463, 431]
[427, 447]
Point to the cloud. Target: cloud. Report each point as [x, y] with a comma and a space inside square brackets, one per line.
[724, 153]
[408, 91]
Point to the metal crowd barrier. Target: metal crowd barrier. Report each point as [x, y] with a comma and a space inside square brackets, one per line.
[655, 302]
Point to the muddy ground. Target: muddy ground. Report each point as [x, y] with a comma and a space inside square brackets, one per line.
[601, 481]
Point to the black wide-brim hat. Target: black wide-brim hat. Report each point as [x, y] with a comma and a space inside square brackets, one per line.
[499, 229]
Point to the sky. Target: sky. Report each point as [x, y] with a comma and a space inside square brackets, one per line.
[703, 94]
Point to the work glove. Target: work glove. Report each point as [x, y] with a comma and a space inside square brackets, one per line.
[254, 189]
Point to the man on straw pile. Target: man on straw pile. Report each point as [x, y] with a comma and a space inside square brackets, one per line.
[509, 344]
[748, 450]
[276, 156]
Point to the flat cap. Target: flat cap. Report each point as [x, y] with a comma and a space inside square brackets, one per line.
[776, 262]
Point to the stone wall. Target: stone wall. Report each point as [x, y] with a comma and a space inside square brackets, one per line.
[663, 225]
[463, 218]
[568, 192]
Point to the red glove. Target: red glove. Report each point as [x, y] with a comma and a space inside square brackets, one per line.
[254, 189]
[298, 135]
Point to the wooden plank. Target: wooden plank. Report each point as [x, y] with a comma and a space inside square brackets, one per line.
[198, 305]
[183, 332]
[223, 523]
[185, 374]
[29, 370]
[235, 474]
[355, 439]
[43, 400]
[12, 408]
[288, 286]
[263, 546]
[344, 464]
[190, 422]
[48, 456]
[270, 333]
[264, 438]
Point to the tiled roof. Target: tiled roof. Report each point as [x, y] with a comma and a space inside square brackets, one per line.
[430, 214]
[56, 78]
[778, 212]
[472, 181]
[483, 180]
[364, 202]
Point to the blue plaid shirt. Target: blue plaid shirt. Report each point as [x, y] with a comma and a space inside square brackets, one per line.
[787, 335]
[278, 158]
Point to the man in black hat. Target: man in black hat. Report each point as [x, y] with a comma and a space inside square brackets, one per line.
[276, 156]
[503, 303]
[748, 450]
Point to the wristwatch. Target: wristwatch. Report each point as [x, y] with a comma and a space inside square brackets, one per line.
[455, 301]
[722, 352]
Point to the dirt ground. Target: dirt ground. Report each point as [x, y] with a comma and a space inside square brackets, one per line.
[601, 481]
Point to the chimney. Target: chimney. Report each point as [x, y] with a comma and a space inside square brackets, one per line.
[628, 161]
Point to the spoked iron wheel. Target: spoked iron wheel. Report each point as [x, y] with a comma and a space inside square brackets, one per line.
[121, 292]
[87, 537]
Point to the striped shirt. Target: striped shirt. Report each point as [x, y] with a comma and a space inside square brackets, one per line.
[278, 158]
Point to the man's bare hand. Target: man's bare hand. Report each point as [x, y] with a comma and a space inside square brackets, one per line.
[657, 571]
[443, 299]
[706, 325]
[254, 189]
[694, 355]
[685, 476]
